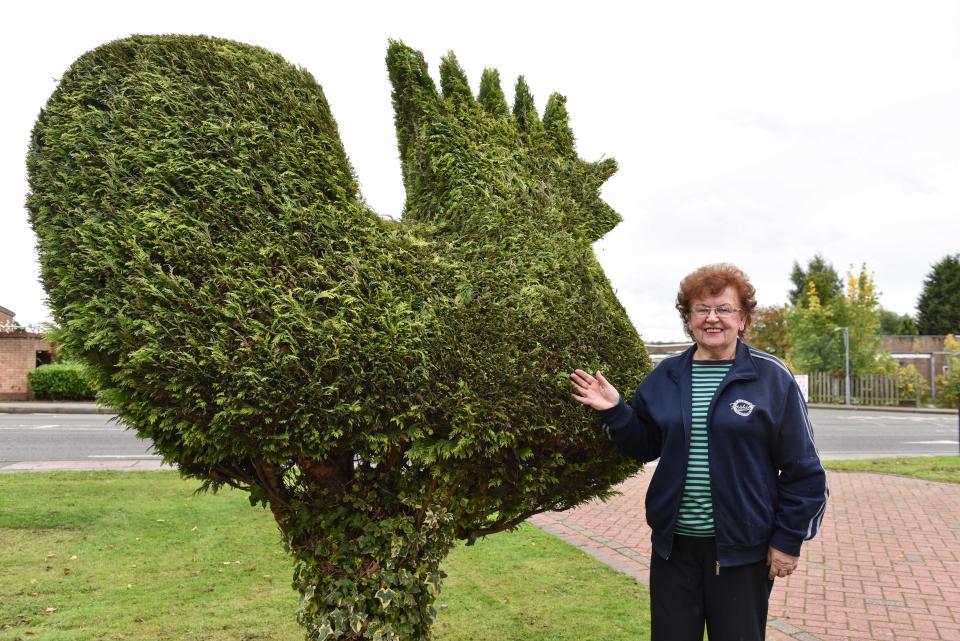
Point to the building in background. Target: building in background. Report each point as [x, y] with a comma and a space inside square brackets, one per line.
[21, 350]
[925, 353]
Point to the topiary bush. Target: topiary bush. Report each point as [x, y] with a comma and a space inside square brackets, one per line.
[64, 381]
[384, 387]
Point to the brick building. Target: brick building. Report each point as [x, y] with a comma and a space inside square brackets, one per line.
[20, 352]
[926, 353]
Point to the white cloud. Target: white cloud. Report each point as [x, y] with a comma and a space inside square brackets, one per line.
[758, 133]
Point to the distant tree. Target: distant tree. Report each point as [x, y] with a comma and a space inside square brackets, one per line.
[938, 309]
[769, 330]
[907, 326]
[811, 330]
[896, 324]
[888, 321]
[817, 346]
[867, 354]
[824, 276]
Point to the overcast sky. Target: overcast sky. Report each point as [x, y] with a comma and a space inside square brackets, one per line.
[758, 133]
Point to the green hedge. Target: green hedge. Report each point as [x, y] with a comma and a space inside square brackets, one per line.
[61, 381]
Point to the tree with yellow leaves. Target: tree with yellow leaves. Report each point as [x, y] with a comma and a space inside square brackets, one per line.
[818, 347]
[948, 383]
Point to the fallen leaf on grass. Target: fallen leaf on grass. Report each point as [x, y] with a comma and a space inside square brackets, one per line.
[49, 610]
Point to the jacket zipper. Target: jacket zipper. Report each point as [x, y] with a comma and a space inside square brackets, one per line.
[713, 403]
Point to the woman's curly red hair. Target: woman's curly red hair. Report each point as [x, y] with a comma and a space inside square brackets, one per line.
[711, 280]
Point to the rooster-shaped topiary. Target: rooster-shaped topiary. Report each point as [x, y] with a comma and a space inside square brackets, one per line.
[384, 387]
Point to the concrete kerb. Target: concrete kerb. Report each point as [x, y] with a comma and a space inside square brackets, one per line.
[883, 408]
[53, 407]
[125, 465]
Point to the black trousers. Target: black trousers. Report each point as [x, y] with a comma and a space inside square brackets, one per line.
[686, 592]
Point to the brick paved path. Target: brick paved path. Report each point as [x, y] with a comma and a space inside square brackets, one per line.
[885, 565]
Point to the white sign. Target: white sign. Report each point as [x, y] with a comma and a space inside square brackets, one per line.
[803, 380]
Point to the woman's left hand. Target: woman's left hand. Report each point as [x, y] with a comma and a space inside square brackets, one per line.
[781, 564]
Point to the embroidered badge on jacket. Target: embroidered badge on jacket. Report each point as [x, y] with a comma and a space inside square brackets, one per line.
[742, 407]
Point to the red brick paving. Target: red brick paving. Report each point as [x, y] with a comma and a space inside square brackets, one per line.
[885, 565]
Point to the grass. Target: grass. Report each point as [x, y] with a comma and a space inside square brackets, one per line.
[137, 556]
[930, 468]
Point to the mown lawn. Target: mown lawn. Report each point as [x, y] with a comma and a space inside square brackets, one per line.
[138, 556]
[930, 468]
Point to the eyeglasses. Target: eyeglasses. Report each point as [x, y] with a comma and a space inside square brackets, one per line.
[724, 311]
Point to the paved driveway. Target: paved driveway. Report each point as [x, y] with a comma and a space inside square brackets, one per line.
[885, 565]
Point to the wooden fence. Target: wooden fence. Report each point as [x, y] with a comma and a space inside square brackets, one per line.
[869, 389]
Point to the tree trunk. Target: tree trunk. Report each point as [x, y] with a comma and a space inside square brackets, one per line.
[370, 576]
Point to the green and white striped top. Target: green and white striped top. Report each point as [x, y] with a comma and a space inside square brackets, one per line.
[696, 506]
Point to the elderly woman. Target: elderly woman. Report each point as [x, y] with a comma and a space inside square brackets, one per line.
[739, 485]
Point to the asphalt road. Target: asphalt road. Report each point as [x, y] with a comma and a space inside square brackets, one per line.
[865, 434]
[839, 434]
[67, 437]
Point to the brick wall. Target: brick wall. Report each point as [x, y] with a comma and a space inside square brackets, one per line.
[913, 344]
[18, 355]
[928, 363]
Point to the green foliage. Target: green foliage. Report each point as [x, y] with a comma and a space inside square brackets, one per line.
[906, 326]
[62, 381]
[862, 315]
[911, 386]
[817, 346]
[938, 309]
[824, 277]
[385, 388]
[948, 383]
[895, 324]
[769, 330]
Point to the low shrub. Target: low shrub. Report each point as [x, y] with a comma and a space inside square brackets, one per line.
[61, 381]
[910, 383]
[948, 383]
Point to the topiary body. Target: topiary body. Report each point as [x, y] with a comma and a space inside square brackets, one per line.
[384, 387]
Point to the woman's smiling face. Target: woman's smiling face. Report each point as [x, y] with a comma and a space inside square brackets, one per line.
[716, 333]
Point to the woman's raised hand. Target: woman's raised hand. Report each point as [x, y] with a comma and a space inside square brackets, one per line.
[594, 390]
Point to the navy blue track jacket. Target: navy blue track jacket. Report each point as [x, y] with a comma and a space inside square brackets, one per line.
[768, 486]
